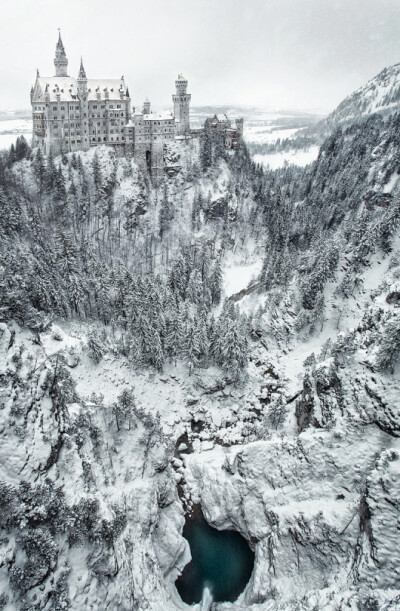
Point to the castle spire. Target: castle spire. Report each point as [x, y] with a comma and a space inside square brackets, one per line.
[82, 81]
[60, 60]
[82, 73]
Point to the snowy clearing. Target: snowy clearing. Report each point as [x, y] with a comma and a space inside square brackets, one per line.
[294, 157]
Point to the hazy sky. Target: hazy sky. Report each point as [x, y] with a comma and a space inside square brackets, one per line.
[306, 54]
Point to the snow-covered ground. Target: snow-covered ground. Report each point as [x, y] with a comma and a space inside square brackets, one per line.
[299, 157]
[260, 134]
[10, 129]
[239, 276]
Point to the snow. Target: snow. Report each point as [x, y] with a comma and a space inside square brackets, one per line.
[298, 157]
[239, 277]
[260, 134]
[299, 498]
[10, 129]
[389, 186]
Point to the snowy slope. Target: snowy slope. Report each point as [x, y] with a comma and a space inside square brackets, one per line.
[380, 94]
[302, 457]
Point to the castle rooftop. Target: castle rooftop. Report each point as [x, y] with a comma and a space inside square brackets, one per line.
[67, 88]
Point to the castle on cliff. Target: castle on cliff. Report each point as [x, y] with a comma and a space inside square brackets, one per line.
[74, 114]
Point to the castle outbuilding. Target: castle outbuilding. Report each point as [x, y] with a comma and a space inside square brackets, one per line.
[233, 134]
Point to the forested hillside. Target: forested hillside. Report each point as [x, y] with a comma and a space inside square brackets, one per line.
[135, 385]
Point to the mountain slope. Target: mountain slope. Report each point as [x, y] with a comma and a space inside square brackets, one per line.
[380, 94]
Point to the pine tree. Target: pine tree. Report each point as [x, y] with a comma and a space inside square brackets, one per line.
[192, 349]
[194, 291]
[175, 335]
[124, 407]
[50, 175]
[96, 172]
[216, 282]
[206, 153]
[234, 351]
[39, 168]
[59, 190]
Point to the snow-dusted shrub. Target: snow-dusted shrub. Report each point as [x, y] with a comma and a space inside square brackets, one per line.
[389, 345]
[95, 347]
[57, 334]
[41, 552]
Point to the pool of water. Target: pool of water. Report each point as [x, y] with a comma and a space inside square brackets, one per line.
[221, 561]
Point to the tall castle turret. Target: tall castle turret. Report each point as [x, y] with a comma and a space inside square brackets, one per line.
[60, 60]
[82, 87]
[82, 80]
[181, 101]
[146, 107]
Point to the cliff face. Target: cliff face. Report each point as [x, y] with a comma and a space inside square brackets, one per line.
[90, 513]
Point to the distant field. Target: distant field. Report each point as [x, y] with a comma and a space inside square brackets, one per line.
[13, 125]
[299, 157]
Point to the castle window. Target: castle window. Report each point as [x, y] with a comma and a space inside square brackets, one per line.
[62, 107]
[95, 106]
[54, 107]
[104, 138]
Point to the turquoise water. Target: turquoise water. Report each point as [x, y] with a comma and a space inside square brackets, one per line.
[221, 561]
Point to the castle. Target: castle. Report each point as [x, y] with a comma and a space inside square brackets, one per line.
[74, 114]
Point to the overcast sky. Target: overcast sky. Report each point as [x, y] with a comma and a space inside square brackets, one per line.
[305, 54]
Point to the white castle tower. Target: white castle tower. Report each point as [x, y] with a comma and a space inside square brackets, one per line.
[82, 86]
[181, 101]
[60, 60]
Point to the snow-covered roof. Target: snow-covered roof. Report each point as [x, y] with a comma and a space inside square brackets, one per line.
[67, 87]
[114, 86]
[222, 118]
[155, 116]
